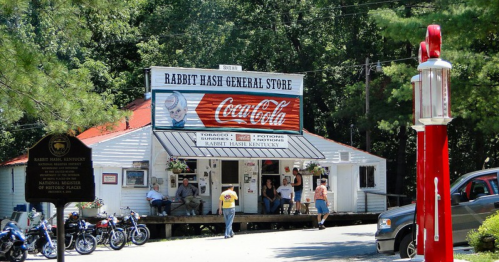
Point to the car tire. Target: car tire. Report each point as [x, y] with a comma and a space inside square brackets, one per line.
[407, 248]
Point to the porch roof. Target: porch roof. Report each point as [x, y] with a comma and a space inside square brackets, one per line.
[182, 144]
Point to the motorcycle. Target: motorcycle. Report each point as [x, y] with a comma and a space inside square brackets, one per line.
[137, 233]
[78, 236]
[106, 232]
[12, 246]
[41, 239]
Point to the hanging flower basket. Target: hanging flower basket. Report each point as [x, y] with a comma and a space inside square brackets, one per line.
[314, 168]
[177, 166]
[317, 172]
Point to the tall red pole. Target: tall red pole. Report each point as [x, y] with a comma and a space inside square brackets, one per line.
[420, 192]
[420, 186]
[435, 115]
[438, 221]
[420, 176]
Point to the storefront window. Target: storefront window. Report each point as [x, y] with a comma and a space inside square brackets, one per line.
[192, 165]
[366, 176]
[270, 166]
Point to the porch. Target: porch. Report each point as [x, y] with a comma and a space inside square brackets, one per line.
[164, 227]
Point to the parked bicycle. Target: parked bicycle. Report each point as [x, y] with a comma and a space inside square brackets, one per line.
[135, 232]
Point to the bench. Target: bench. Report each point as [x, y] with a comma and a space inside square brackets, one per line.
[284, 207]
[174, 206]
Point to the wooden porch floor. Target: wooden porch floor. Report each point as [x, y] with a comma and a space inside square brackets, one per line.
[243, 221]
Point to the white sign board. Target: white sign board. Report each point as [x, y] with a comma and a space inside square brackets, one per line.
[230, 139]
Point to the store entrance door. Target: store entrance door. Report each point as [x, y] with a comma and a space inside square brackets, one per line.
[230, 175]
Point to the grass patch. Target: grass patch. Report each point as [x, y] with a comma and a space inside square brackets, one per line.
[478, 257]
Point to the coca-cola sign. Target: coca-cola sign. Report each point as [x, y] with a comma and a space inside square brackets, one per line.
[249, 111]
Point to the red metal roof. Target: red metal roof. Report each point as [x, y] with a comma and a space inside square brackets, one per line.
[141, 117]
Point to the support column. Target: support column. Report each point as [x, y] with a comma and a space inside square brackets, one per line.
[420, 192]
[168, 230]
[438, 220]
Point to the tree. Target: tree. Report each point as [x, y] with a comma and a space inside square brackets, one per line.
[470, 34]
[42, 77]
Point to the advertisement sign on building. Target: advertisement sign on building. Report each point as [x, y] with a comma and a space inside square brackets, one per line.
[201, 99]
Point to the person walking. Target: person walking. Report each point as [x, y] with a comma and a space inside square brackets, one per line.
[228, 198]
[298, 187]
[320, 198]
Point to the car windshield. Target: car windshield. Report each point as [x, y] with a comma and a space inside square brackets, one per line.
[493, 182]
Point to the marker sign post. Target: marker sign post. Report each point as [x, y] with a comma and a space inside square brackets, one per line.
[60, 171]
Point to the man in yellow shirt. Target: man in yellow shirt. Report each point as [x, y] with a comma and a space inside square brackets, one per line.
[228, 197]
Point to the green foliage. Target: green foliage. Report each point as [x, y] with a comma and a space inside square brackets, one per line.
[489, 230]
[478, 257]
[97, 203]
[69, 65]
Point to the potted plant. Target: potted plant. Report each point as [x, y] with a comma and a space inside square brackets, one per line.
[176, 165]
[314, 168]
[90, 209]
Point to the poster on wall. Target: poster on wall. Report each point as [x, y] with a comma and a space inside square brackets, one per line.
[252, 187]
[203, 186]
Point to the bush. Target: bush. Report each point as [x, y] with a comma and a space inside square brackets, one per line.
[485, 238]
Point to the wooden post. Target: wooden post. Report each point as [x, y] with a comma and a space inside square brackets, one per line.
[168, 230]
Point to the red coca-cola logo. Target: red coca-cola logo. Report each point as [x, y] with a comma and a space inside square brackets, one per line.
[249, 111]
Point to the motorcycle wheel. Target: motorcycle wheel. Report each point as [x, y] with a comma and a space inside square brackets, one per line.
[16, 254]
[85, 245]
[140, 235]
[50, 252]
[117, 240]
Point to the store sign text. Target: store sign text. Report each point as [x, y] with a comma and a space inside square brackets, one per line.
[210, 139]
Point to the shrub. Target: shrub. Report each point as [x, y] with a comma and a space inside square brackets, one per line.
[484, 238]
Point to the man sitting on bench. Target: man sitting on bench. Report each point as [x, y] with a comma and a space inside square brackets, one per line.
[189, 195]
[158, 200]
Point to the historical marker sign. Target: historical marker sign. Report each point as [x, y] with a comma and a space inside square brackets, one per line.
[60, 171]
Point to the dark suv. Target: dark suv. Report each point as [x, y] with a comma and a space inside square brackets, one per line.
[474, 197]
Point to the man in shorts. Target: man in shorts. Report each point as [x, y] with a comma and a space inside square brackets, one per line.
[320, 198]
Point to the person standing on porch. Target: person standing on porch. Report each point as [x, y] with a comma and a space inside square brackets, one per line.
[320, 198]
[298, 187]
[228, 198]
[286, 191]
[189, 195]
[159, 201]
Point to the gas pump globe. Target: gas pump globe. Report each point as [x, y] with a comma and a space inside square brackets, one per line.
[435, 81]
[416, 107]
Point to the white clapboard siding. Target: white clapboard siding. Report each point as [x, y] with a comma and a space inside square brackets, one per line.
[123, 150]
[12, 189]
[114, 155]
[337, 154]
[108, 156]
